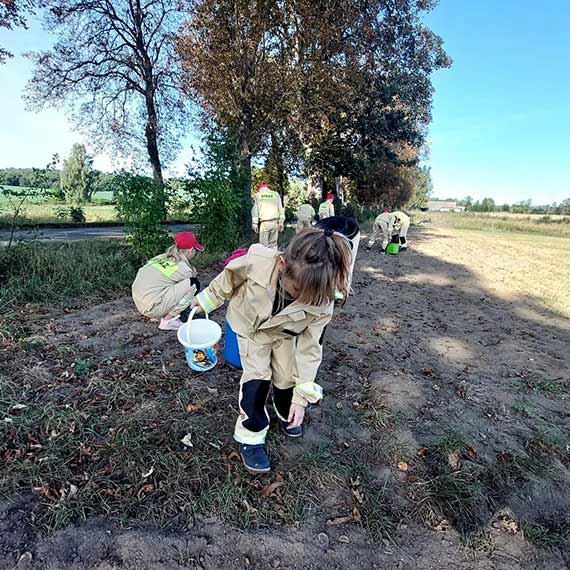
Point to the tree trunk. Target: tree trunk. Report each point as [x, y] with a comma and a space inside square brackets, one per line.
[152, 147]
[243, 172]
[243, 177]
[315, 185]
[339, 188]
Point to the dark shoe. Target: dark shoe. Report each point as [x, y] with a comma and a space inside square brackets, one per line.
[255, 458]
[291, 432]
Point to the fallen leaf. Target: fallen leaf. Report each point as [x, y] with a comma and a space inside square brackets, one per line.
[403, 466]
[454, 459]
[340, 520]
[145, 490]
[212, 390]
[442, 526]
[193, 408]
[358, 495]
[422, 452]
[508, 525]
[187, 440]
[471, 452]
[268, 490]
[356, 515]
[234, 455]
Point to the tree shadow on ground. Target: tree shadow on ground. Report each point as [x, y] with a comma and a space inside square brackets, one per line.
[469, 389]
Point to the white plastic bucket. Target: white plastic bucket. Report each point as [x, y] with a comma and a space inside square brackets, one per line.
[199, 337]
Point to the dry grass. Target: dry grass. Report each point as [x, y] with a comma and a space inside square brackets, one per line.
[554, 226]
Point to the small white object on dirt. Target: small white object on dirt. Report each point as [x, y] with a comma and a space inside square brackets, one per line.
[344, 539]
[151, 470]
[323, 539]
[187, 440]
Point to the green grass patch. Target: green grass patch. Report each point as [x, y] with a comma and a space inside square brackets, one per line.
[549, 534]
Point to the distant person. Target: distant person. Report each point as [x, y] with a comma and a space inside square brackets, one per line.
[326, 209]
[279, 306]
[305, 216]
[404, 227]
[165, 286]
[385, 224]
[268, 215]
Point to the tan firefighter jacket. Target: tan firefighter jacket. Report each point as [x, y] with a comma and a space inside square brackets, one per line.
[267, 206]
[326, 210]
[390, 220]
[306, 212]
[155, 281]
[249, 283]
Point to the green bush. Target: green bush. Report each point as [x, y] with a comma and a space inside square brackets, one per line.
[73, 214]
[217, 206]
[141, 207]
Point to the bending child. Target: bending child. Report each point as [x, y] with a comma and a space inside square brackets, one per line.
[385, 224]
[279, 306]
[165, 287]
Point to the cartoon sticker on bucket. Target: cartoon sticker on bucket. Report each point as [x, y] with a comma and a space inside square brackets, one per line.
[199, 338]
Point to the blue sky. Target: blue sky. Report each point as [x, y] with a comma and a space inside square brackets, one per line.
[501, 116]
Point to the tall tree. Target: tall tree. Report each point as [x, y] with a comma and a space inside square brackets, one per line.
[361, 70]
[13, 15]
[115, 64]
[229, 56]
[77, 176]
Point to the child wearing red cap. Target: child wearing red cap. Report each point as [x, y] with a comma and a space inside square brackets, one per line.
[326, 209]
[165, 287]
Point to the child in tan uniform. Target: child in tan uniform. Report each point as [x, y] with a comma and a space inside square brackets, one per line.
[165, 287]
[279, 306]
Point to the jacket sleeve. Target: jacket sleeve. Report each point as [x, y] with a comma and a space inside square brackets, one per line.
[308, 357]
[391, 226]
[223, 286]
[255, 213]
[281, 209]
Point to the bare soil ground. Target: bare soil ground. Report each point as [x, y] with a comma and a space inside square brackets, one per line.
[443, 440]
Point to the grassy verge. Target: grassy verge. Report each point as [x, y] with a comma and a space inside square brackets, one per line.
[540, 225]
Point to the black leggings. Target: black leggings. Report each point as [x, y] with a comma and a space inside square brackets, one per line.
[186, 312]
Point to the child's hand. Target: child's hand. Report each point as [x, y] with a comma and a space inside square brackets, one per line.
[296, 416]
[195, 305]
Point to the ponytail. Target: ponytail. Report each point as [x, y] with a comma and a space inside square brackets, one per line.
[318, 261]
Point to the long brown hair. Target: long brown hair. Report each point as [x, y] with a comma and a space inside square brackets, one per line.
[318, 262]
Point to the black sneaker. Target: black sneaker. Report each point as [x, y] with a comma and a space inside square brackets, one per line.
[291, 432]
[255, 458]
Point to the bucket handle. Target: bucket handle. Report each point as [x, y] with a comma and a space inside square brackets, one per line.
[193, 312]
[191, 316]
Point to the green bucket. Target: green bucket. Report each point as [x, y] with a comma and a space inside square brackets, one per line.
[393, 248]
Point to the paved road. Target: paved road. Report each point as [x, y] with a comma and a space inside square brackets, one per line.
[76, 234]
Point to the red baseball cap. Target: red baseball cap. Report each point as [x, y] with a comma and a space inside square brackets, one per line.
[330, 196]
[187, 240]
[262, 185]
